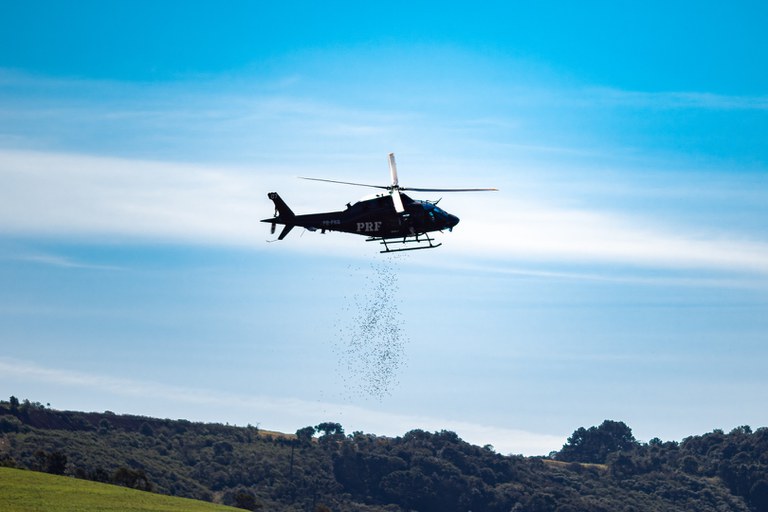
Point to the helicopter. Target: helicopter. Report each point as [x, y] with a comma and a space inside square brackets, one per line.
[393, 219]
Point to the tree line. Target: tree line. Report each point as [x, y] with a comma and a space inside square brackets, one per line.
[322, 468]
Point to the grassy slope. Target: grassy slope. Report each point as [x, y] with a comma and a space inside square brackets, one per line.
[28, 491]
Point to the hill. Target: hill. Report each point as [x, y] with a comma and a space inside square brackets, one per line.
[321, 468]
[29, 491]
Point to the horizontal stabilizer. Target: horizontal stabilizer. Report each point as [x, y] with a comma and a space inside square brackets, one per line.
[287, 229]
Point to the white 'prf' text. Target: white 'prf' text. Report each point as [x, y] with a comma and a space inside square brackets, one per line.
[368, 226]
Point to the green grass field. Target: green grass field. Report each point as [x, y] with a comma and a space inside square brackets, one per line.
[28, 491]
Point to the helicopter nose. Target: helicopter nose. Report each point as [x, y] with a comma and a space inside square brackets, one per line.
[452, 221]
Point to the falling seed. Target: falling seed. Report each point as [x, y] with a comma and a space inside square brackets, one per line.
[371, 345]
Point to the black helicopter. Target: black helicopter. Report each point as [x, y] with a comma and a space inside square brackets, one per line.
[392, 219]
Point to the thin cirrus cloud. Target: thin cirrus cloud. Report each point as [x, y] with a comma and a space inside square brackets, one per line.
[676, 99]
[284, 413]
[53, 194]
[531, 231]
[141, 192]
[62, 194]
[209, 121]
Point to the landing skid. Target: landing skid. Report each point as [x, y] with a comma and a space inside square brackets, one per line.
[421, 241]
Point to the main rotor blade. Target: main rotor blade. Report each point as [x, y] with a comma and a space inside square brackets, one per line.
[393, 169]
[397, 201]
[396, 187]
[450, 189]
[347, 183]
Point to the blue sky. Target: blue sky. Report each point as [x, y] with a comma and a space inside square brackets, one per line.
[620, 273]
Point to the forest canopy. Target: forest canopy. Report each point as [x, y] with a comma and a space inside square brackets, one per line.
[321, 468]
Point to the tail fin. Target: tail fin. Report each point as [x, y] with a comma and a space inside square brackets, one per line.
[283, 215]
[281, 209]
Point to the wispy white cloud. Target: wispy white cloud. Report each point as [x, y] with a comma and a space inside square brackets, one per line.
[676, 99]
[531, 231]
[216, 120]
[548, 271]
[73, 192]
[56, 260]
[280, 413]
[62, 194]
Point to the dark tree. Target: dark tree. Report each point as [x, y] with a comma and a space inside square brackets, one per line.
[54, 463]
[593, 445]
[758, 496]
[304, 435]
[135, 479]
[104, 426]
[146, 430]
[332, 432]
[330, 429]
[246, 500]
